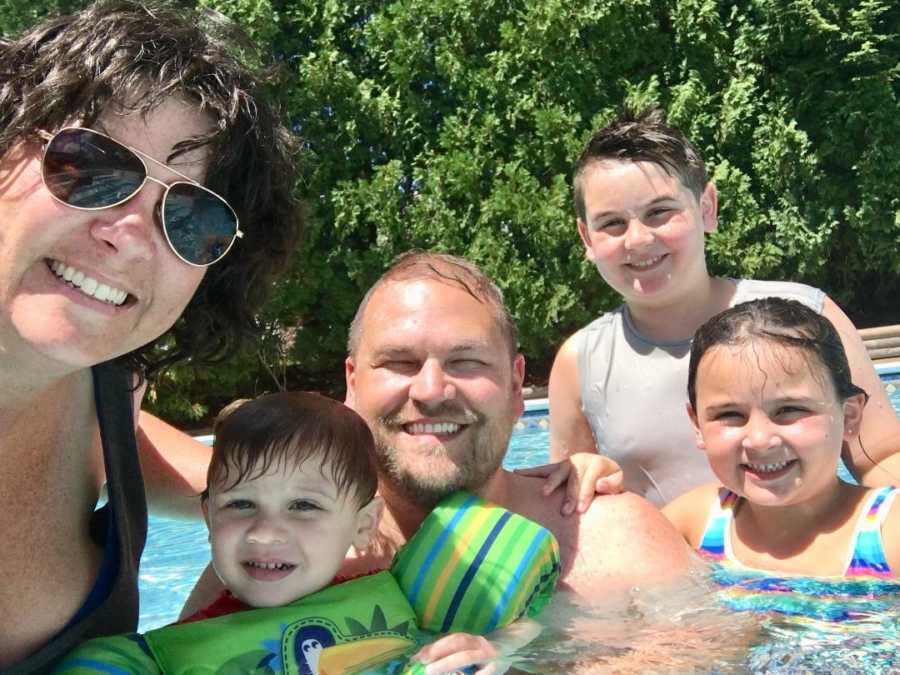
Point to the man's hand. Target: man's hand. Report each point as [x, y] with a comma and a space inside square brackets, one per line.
[585, 475]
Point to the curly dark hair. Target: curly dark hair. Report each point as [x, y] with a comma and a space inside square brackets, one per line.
[641, 136]
[132, 56]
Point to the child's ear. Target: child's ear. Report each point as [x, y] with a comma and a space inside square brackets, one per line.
[204, 506]
[853, 412]
[697, 435]
[367, 521]
[709, 208]
[585, 239]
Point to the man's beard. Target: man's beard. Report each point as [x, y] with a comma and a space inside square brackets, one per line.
[472, 468]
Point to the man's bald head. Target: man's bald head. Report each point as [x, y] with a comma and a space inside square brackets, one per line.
[445, 268]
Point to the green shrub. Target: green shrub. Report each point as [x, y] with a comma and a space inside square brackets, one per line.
[453, 124]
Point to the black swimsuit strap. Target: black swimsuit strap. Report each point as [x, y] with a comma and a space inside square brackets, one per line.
[125, 486]
[126, 511]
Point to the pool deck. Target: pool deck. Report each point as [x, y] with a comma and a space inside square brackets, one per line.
[537, 405]
[882, 343]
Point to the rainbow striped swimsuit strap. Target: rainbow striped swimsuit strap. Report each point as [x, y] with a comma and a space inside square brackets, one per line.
[868, 558]
[721, 512]
[474, 566]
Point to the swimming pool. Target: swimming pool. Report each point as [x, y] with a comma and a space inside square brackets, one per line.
[890, 375]
[177, 552]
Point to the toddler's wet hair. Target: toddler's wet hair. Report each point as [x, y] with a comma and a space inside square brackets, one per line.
[285, 429]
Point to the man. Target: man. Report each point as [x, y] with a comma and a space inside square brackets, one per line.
[433, 368]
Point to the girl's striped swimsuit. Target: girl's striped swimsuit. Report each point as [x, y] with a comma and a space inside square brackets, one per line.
[866, 557]
[845, 603]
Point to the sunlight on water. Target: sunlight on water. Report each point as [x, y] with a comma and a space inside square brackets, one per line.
[701, 628]
[849, 624]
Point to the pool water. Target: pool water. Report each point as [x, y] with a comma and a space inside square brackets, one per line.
[890, 375]
[177, 552]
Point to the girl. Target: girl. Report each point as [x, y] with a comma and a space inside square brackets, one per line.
[772, 404]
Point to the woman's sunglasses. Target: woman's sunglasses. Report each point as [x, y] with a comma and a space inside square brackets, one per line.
[88, 170]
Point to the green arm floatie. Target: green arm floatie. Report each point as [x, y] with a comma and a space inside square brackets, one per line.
[471, 567]
[474, 567]
[117, 655]
[347, 628]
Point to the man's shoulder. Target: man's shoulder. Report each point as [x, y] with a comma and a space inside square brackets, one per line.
[622, 541]
[620, 512]
[624, 509]
[619, 542]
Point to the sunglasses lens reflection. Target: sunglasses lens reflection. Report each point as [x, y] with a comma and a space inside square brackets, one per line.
[88, 170]
[200, 226]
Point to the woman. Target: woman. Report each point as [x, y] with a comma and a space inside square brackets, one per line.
[144, 202]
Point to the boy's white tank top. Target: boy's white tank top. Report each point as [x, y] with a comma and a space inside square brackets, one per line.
[634, 391]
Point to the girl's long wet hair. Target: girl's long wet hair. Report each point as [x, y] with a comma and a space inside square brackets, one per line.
[778, 321]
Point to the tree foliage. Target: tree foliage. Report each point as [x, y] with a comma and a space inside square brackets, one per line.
[453, 125]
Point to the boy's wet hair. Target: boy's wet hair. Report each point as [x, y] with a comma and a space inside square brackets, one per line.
[123, 56]
[641, 137]
[417, 264]
[787, 323]
[283, 430]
